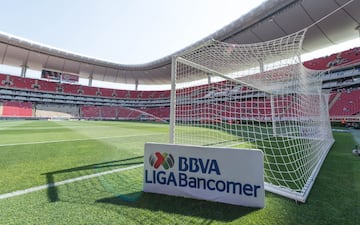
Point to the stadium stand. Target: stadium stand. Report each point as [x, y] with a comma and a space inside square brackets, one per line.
[88, 111]
[89, 90]
[79, 100]
[133, 94]
[49, 110]
[348, 57]
[128, 114]
[160, 112]
[105, 92]
[70, 88]
[347, 104]
[47, 86]
[19, 82]
[17, 109]
[109, 112]
[75, 89]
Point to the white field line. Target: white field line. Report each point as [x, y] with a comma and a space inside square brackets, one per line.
[79, 139]
[42, 187]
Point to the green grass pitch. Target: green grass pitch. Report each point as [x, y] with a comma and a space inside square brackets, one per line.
[35, 153]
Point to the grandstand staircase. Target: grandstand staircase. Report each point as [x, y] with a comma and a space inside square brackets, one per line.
[331, 104]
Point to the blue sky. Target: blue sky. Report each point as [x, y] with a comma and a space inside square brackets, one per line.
[127, 32]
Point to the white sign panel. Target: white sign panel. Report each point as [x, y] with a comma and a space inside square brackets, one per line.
[229, 175]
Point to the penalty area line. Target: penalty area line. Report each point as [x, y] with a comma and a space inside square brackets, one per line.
[46, 186]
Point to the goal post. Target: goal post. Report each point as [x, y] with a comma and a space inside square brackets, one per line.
[254, 96]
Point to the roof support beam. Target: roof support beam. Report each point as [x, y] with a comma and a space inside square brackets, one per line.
[136, 84]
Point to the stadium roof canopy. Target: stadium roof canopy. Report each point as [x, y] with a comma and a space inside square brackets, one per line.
[271, 20]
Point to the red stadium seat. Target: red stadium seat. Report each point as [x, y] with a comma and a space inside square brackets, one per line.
[17, 109]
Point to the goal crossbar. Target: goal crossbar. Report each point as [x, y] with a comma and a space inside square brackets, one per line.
[213, 72]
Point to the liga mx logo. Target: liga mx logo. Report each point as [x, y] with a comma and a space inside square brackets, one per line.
[157, 159]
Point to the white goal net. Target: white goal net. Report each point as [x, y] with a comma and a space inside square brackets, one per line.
[254, 96]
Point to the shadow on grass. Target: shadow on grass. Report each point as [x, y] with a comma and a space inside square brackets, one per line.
[52, 191]
[335, 196]
[182, 206]
[108, 164]
[207, 210]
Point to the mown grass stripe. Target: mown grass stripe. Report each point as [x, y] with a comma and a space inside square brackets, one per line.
[49, 128]
[79, 139]
[45, 186]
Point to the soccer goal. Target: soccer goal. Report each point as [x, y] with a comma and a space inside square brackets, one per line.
[254, 96]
